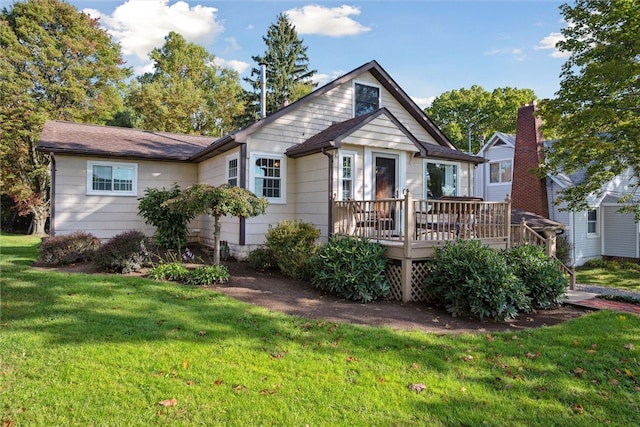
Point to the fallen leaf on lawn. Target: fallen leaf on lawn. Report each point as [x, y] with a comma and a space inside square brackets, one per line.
[630, 346]
[278, 355]
[239, 388]
[576, 342]
[202, 333]
[579, 371]
[168, 402]
[577, 408]
[306, 326]
[467, 358]
[185, 364]
[591, 351]
[489, 337]
[189, 383]
[613, 381]
[381, 380]
[218, 381]
[628, 373]
[415, 366]
[265, 391]
[351, 359]
[8, 423]
[418, 388]
[463, 389]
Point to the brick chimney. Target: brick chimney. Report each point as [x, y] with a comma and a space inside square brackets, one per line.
[528, 191]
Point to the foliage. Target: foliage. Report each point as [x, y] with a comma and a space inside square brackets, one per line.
[563, 249]
[469, 278]
[293, 244]
[69, 248]
[596, 111]
[112, 334]
[353, 268]
[262, 259]
[489, 112]
[208, 275]
[545, 284]
[56, 63]
[219, 201]
[628, 299]
[186, 92]
[287, 68]
[172, 271]
[171, 226]
[612, 264]
[124, 253]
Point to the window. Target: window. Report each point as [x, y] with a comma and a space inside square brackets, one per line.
[268, 172]
[232, 170]
[115, 179]
[592, 222]
[500, 172]
[366, 99]
[347, 173]
[440, 179]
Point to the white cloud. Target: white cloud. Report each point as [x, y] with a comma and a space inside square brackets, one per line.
[239, 66]
[232, 45]
[549, 43]
[423, 102]
[334, 22]
[141, 25]
[517, 53]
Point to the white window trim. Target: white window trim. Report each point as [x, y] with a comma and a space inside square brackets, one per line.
[354, 156]
[597, 232]
[442, 162]
[92, 192]
[499, 182]
[356, 82]
[283, 176]
[229, 158]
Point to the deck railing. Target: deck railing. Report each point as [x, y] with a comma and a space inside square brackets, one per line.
[434, 220]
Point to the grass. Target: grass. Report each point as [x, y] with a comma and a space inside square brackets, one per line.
[611, 276]
[108, 350]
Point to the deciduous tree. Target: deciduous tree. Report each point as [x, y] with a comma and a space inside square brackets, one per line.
[55, 63]
[596, 112]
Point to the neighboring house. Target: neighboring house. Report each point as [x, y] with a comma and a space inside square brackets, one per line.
[358, 137]
[598, 232]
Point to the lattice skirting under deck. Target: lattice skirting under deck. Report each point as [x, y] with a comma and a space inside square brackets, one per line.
[419, 270]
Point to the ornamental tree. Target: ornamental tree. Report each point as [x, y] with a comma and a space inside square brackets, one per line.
[217, 202]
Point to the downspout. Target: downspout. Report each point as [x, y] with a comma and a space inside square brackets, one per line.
[243, 184]
[52, 196]
[330, 198]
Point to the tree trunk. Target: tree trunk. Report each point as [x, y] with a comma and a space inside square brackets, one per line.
[216, 240]
[39, 220]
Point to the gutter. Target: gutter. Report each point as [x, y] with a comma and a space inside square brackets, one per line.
[330, 195]
[52, 196]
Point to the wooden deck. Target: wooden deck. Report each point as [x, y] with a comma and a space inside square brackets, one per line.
[410, 230]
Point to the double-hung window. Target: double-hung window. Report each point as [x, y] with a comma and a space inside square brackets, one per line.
[440, 179]
[500, 172]
[366, 99]
[592, 223]
[232, 170]
[268, 173]
[112, 178]
[346, 185]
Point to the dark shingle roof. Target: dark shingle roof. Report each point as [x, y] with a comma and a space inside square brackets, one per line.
[440, 152]
[95, 140]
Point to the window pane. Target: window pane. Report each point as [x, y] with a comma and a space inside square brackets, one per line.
[346, 167]
[267, 177]
[122, 179]
[102, 178]
[367, 99]
[233, 172]
[505, 171]
[441, 179]
[494, 172]
[346, 190]
[592, 216]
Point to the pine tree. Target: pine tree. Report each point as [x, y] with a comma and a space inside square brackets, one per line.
[287, 68]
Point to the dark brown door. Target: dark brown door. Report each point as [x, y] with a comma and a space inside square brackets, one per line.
[385, 188]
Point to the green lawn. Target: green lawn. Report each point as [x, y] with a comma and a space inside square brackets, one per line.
[609, 277]
[107, 351]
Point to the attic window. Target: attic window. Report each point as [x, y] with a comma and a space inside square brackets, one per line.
[366, 99]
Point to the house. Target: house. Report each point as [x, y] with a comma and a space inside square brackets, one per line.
[358, 137]
[599, 232]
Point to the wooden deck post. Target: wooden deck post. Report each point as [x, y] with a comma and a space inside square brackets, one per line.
[508, 221]
[406, 264]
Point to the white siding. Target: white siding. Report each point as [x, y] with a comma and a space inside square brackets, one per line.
[494, 192]
[107, 216]
[585, 247]
[620, 233]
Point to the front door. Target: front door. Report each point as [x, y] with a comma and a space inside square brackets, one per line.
[386, 187]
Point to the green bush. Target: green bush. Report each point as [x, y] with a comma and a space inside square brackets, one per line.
[563, 249]
[545, 284]
[124, 253]
[208, 275]
[262, 259]
[293, 243]
[353, 268]
[611, 265]
[173, 271]
[171, 227]
[468, 278]
[70, 248]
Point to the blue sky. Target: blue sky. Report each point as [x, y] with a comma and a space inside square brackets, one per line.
[429, 47]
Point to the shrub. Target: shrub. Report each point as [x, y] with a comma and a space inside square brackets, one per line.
[124, 253]
[70, 248]
[208, 275]
[541, 275]
[563, 249]
[293, 243]
[173, 271]
[468, 278]
[171, 226]
[352, 268]
[262, 259]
